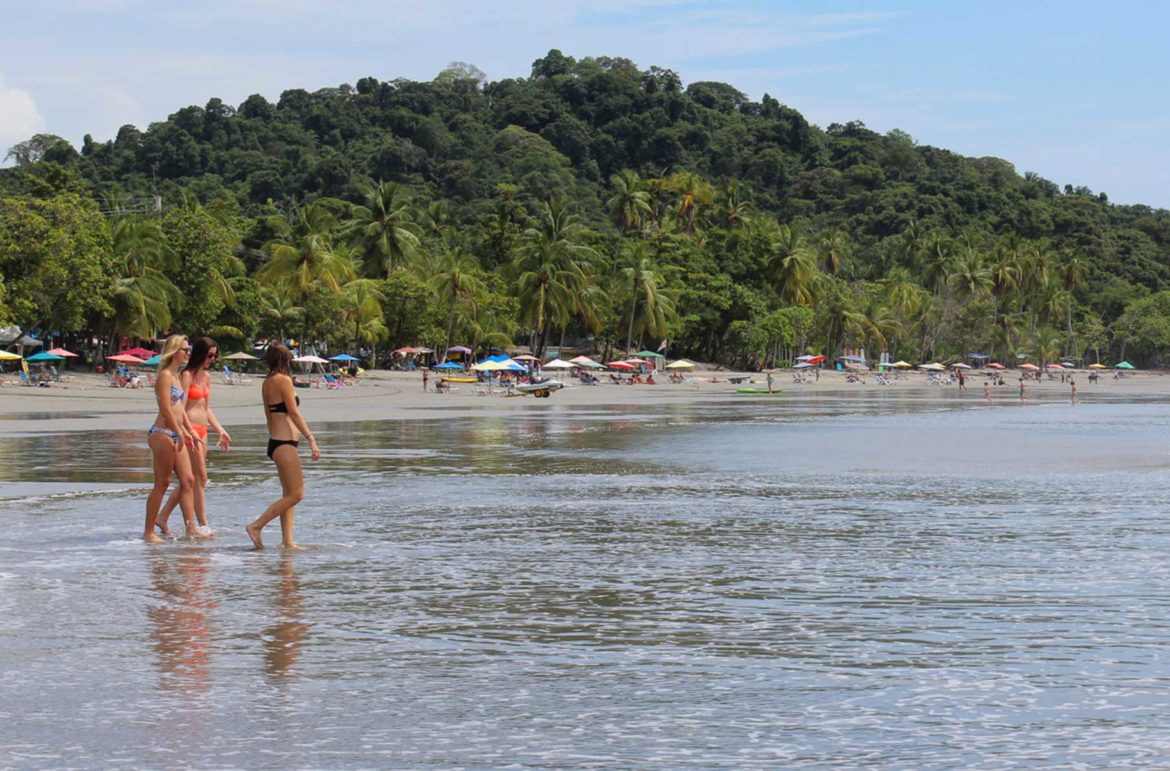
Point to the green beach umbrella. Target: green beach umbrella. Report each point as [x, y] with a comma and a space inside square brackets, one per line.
[1122, 365]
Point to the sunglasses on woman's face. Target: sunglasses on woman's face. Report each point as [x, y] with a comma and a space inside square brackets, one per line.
[185, 350]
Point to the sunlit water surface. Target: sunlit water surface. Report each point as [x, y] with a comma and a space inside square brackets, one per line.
[728, 585]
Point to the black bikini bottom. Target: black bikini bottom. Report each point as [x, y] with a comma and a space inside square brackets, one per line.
[274, 443]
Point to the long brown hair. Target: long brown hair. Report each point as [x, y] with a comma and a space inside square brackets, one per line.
[200, 350]
[279, 360]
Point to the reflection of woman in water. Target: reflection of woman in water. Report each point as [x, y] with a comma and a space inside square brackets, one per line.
[283, 412]
[181, 629]
[285, 638]
[196, 379]
[171, 439]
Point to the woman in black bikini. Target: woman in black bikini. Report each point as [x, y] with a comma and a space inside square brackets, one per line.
[282, 411]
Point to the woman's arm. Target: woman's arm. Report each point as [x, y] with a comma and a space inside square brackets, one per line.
[225, 439]
[294, 414]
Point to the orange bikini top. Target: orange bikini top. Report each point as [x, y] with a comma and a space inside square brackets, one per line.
[195, 393]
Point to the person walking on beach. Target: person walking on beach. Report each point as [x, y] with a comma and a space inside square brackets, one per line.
[1073, 387]
[987, 391]
[196, 380]
[770, 381]
[425, 376]
[962, 380]
[171, 441]
[1021, 388]
[285, 424]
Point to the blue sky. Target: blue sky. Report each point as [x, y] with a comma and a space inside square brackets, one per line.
[1072, 90]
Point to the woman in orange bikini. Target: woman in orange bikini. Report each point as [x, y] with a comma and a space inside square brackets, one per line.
[196, 379]
[171, 440]
[282, 410]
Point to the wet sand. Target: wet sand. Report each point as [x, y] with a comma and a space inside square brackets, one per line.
[88, 403]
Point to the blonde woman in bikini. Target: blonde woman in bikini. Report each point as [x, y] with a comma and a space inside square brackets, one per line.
[171, 439]
[196, 379]
[282, 410]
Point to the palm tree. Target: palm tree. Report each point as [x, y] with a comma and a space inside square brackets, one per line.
[388, 233]
[792, 266]
[733, 208]
[641, 288]
[306, 260]
[693, 193]
[969, 276]
[362, 303]
[280, 311]
[630, 200]
[456, 282]
[834, 245]
[550, 269]
[142, 295]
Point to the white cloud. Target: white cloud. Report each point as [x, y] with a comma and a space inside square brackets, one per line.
[19, 116]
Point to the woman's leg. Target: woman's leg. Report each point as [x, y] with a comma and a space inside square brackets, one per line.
[292, 483]
[162, 450]
[199, 470]
[187, 492]
[165, 513]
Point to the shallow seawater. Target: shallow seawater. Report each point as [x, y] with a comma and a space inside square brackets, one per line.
[813, 582]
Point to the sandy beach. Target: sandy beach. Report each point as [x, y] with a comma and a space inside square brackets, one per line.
[89, 403]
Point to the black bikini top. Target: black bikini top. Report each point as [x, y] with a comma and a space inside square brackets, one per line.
[282, 407]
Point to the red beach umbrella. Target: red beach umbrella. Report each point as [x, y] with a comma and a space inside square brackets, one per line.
[126, 358]
[62, 352]
[619, 365]
[138, 353]
[1028, 366]
[815, 360]
[996, 365]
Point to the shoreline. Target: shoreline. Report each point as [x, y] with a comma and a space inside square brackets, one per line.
[88, 403]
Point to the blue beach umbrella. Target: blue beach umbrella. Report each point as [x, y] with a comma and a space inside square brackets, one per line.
[448, 365]
[153, 361]
[343, 357]
[44, 356]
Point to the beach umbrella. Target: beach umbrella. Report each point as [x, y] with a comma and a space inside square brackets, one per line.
[420, 349]
[851, 357]
[241, 356]
[153, 361]
[1029, 366]
[1122, 365]
[1055, 366]
[44, 356]
[126, 358]
[996, 365]
[1068, 364]
[1097, 366]
[343, 357]
[902, 364]
[933, 366]
[585, 361]
[525, 357]
[311, 360]
[619, 365]
[560, 364]
[9, 356]
[680, 364]
[63, 352]
[459, 349]
[801, 365]
[636, 362]
[855, 365]
[405, 350]
[806, 357]
[814, 360]
[448, 365]
[961, 365]
[138, 353]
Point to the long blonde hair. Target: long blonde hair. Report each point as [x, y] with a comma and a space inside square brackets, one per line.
[170, 348]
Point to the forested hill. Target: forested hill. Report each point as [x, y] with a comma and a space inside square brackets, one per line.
[737, 209]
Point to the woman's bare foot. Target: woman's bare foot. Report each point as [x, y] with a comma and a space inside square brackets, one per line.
[292, 547]
[162, 527]
[254, 533]
[152, 538]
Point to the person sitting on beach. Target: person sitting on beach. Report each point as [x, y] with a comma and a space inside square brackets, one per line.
[650, 379]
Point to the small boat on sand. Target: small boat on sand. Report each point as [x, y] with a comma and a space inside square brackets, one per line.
[755, 391]
[541, 388]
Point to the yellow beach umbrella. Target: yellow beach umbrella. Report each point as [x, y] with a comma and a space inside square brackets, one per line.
[9, 356]
[901, 364]
[680, 364]
[1097, 366]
